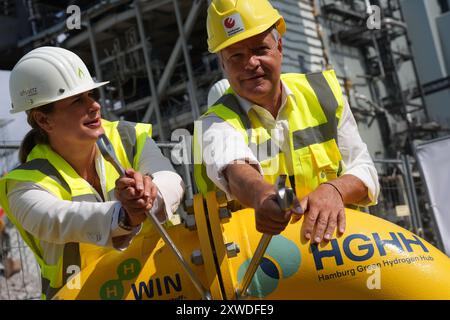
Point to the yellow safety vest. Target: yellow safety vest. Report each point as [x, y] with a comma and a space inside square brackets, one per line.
[313, 114]
[49, 170]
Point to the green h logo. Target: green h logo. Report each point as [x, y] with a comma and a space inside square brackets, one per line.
[113, 289]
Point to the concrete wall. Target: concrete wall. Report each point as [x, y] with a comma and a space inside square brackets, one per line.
[443, 26]
[430, 39]
[302, 47]
[419, 16]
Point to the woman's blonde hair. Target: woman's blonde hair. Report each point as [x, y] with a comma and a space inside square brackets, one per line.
[36, 135]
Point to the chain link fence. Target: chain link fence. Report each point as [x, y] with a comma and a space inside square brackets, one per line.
[403, 198]
[19, 271]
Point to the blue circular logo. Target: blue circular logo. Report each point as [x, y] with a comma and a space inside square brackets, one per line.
[281, 260]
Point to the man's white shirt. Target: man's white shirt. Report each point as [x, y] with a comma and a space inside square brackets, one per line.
[222, 145]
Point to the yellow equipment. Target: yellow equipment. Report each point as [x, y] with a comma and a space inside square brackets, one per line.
[374, 259]
[230, 21]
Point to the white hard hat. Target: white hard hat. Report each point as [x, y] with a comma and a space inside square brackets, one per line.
[217, 90]
[48, 74]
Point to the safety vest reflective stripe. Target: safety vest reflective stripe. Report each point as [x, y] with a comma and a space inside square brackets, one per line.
[313, 129]
[265, 150]
[44, 166]
[71, 252]
[71, 257]
[52, 172]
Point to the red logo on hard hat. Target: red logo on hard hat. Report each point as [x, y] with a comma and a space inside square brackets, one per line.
[229, 23]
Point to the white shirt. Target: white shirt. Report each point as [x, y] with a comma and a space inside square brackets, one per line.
[56, 222]
[222, 145]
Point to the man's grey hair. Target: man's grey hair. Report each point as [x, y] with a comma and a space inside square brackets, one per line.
[276, 35]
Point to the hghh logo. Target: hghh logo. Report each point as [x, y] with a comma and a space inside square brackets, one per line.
[366, 248]
[233, 24]
[281, 260]
[113, 289]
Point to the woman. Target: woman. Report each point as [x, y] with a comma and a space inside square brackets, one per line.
[65, 199]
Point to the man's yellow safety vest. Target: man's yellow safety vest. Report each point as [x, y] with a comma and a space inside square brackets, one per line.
[313, 114]
[50, 171]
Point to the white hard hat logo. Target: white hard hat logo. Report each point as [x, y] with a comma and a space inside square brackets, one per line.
[29, 92]
[80, 73]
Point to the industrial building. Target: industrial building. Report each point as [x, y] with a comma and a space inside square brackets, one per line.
[392, 58]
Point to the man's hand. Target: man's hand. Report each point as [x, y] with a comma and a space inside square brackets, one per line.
[324, 210]
[249, 187]
[268, 214]
[324, 207]
[136, 193]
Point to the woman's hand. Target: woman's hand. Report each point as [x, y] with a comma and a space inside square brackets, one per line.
[136, 193]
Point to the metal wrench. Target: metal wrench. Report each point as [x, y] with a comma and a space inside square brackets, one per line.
[285, 199]
[107, 150]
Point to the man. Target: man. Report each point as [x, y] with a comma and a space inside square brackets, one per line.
[267, 124]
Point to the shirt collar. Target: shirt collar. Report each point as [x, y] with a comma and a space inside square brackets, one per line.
[247, 105]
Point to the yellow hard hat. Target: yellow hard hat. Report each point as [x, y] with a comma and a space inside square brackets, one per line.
[231, 21]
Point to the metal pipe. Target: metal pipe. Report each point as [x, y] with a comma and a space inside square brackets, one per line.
[32, 16]
[397, 23]
[415, 70]
[254, 264]
[187, 173]
[107, 150]
[9, 146]
[415, 204]
[388, 161]
[206, 295]
[155, 99]
[102, 25]
[191, 84]
[189, 186]
[98, 70]
[285, 198]
[170, 66]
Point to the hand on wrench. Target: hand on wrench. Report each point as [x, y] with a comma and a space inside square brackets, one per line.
[287, 202]
[275, 207]
[137, 194]
[108, 153]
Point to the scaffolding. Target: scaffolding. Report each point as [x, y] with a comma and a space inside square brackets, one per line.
[348, 21]
[153, 52]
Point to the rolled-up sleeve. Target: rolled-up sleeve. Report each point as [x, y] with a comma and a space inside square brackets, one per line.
[221, 146]
[355, 156]
[170, 185]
